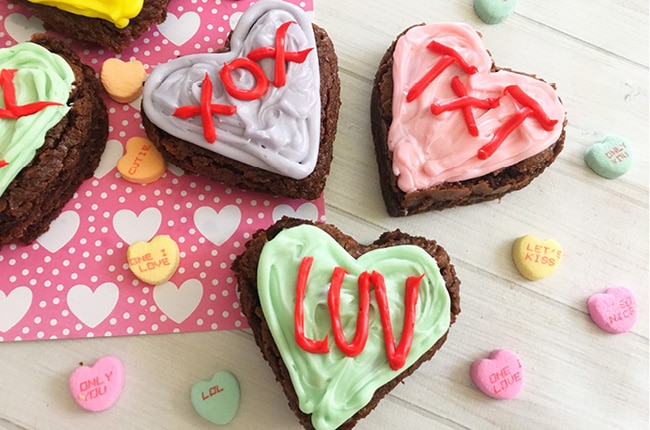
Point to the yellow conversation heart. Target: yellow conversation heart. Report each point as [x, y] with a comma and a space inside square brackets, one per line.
[534, 258]
[154, 262]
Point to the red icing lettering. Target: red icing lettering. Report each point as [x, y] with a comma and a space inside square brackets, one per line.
[280, 55]
[12, 110]
[261, 83]
[309, 345]
[465, 103]
[206, 109]
[333, 302]
[397, 355]
[449, 57]
[3, 163]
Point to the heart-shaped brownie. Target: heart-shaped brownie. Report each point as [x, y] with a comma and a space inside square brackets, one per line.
[449, 125]
[341, 323]
[257, 104]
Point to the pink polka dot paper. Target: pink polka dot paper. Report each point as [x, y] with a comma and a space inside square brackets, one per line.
[74, 281]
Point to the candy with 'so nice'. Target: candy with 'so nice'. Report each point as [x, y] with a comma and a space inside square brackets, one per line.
[123, 81]
[217, 400]
[494, 11]
[156, 261]
[534, 258]
[614, 311]
[500, 376]
[97, 388]
[142, 163]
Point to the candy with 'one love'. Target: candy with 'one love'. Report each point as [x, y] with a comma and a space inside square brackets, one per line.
[500, 376]
[97, 388]
[156, 261]
[534, 258]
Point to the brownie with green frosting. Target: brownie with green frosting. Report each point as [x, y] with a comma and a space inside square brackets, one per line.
[69, 155]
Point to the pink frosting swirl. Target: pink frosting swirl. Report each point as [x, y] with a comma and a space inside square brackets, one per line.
[431, 149]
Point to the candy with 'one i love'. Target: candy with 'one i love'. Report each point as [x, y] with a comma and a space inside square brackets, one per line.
[614, 311]
[534, 258]
[500, 376]
[217, 400]
[97, 388]
[154, 262]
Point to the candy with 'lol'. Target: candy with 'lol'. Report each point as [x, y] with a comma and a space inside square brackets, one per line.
[500, 376]
[534, 258]
[156, 261]
[494, 11]
[614, 311]
[97, 388]
[217, 400]
[142, 163]
[123, 81]
[611, 157]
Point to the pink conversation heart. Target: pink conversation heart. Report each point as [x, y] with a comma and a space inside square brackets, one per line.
[614, 310]
[499, 376]
[98, 388]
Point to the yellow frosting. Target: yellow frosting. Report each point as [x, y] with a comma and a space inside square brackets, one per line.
[119, 12]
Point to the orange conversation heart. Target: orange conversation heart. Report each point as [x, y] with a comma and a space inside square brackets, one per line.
[123, 81]
[142, 163]
[154, 262]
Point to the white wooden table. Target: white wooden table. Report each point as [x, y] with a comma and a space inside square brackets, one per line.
[576, 376]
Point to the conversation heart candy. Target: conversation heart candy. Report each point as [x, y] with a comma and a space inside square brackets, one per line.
[611, 157]
[142, 163]
[217, 400]
[614, 311]
[499, 376]
[123, 80]
[494, 11]
[534, 258]
[97, 388]
[154, 262]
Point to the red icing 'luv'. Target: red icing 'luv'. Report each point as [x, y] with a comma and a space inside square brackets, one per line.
[396, 354]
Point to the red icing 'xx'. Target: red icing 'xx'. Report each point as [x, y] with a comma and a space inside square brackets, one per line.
[396, 354]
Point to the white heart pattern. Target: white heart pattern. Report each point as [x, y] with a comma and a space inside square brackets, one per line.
[178, 303]
[14, 306]
[61, 231]
[111, 155]
[217, 227]
[133, 228]
[178, 30]
[21, 28]
[92, 307]
[262, 115]
[307, 211]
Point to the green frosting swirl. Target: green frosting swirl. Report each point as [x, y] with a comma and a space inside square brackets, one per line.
[41, 76]
[333, 387]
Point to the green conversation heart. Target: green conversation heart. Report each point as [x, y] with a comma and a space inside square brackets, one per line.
[611, 157]
[217, 400]
[333, 386]
[494, 11]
